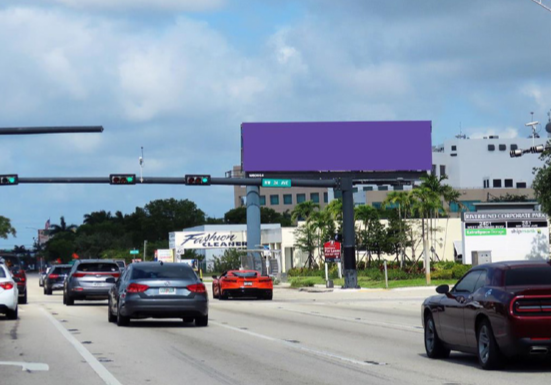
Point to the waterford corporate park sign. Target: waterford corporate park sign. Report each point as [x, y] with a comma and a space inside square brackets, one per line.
[317, 147]
[506, 236]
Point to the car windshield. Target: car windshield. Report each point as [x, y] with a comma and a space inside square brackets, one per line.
[61, 270]
[242, 274]
[528, 276]
[98, 267]
[163, 272]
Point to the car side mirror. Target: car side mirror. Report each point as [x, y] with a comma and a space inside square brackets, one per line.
[443, 289]
[110, 280]
[214, 277]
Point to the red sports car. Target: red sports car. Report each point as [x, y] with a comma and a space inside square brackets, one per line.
[495, 310]
[242, 283]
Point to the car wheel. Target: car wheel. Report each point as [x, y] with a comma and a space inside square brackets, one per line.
[202, 321]
[68, 300]
[47, 291]
[22, 300]
[12, 314]
[222, 295]
[489, 356]
[188, 319]
[433, 344]
[110, 316]
[269, 295]
[213, 292]
[122, 320]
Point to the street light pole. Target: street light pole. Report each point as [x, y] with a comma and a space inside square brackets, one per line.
[144, 249]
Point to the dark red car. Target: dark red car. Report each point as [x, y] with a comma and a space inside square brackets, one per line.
[495, 311]
[19, 276]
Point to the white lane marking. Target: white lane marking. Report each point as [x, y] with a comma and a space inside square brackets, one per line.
[298, 346]
[100, 370]
[30, 366]
[388, 325]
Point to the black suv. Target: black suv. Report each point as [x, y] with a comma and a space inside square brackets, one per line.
[87, 280]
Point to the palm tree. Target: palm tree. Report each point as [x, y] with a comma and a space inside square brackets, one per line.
[303, 211]
[62, 227]
[365, 214]
[324, 226]
[404, 201]
[304, 241]
[97, 217]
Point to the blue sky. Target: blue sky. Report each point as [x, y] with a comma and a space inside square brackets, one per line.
[179, 76]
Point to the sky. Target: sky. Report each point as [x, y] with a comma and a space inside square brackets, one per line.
[178, 77]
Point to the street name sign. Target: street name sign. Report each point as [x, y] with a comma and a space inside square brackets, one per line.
[134, 251]
[276, 183]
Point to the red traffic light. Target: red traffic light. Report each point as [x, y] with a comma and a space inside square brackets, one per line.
[203, 180]
[122, 179]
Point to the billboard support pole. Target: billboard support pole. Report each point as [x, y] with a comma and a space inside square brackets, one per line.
[349, 234]
[253, 224]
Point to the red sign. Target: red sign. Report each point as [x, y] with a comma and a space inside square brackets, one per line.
[332, 251]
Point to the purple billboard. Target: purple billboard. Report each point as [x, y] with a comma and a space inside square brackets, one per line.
[336, 146]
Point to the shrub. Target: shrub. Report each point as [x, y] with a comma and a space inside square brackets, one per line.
[442, 274]
[297, 282]
[459, 270]
[230, 260]
[305, 272]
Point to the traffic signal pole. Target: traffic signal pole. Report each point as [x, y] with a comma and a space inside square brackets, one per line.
[349, 235]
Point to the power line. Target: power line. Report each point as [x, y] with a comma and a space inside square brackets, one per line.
[541, 4]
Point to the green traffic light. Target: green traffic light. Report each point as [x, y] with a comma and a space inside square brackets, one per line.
[129, 179]
[11, 180]
[205, 179]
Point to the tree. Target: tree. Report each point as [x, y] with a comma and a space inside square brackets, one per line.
[6, 228]
[97, 217]
[324, 227]
[267, 215]
[404, 202]
[542, 181]
[305, 241]
[365, 214]
[62, 227]
[303, 211]
[510, 198]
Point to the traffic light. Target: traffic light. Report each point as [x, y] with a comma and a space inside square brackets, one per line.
[515, 153]
[122, 179]
[203, 180]
[9, 180]
[537, 149]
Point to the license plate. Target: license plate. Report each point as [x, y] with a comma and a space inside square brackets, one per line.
[248, 283]
[167, 290]
[96, 284]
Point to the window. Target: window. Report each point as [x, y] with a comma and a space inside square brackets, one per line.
[453, 154]
[514, 147]
[337, 194]
[508, 183]
[486, 183]
[325, 197]
[315, 197]
[274, 200]
[377, 205]
[524, 276]
[521, 184]
[467, 284]
[354, 189]
[383, 188]
[433, 169]
[491, 147]
[481, 281]
[398, 187]
[497, 182]
[288, 199]
[263, 200]
[502, 147]
[442, 170]
[454, 148]
[368, 188]
[301, 198]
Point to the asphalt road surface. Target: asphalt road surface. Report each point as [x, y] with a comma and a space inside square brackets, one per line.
[340, 337]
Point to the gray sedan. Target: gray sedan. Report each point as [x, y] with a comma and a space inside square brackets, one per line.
[158, 290]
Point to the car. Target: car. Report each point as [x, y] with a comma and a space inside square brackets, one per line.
[20, 277]
[56, 278]
[43, 275]
[87, 280]
[122, 264]
[8, 293]
[242, 283]
[158, 290]
[496, 311]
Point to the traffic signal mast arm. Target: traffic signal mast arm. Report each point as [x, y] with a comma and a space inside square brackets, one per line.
[50, 130]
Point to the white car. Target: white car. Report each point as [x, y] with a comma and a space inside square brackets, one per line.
[8, 293]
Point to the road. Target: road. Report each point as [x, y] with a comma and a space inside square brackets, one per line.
[340, 337]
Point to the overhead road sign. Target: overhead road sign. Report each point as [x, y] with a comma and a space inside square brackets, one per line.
[276, 183]
[9, 180]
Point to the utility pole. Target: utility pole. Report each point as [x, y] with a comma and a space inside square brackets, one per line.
[144, 249]
[349, 235]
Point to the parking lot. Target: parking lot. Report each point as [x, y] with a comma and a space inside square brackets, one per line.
[301, 337]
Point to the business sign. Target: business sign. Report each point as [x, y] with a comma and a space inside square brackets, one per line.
[332, 251]
[507, 236]
[164, 255]
[336, 146]
[183, 240]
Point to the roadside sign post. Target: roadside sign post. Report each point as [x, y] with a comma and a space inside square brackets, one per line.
[332, 252]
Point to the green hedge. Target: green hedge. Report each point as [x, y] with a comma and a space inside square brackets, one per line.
[439, 270]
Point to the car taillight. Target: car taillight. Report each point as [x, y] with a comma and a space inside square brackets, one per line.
[79, 275]
[6, 285]
[52, 276]
[265, 280]
[136, 288]
[230, 280]
[531, 305]
[116, 275]
[197, 288]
